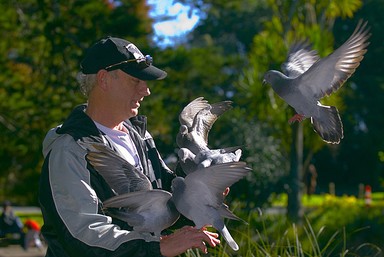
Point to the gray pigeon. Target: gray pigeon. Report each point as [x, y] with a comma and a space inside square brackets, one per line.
[187, 160]
[199, 196]
[120, 175]
[205, 159]
[146, 211]
[196, 120]
[142, 207]
[308, 78]
[191, 162]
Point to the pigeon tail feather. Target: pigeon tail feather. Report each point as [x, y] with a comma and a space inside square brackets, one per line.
[228, 238]
[328, 124]
[226, 213]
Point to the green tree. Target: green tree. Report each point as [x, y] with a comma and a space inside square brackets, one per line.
[43, 43]
[291, 20]
[259, 34]
[357, 160]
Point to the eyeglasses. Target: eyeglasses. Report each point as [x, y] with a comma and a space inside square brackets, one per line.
[148, 60]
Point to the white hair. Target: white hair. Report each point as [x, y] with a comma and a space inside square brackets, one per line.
[86, 82]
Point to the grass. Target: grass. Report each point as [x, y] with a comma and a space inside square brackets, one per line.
[275, 238]
[297, 241]
[36, 216]
[319, 200]
[340, 226]
[333, 226]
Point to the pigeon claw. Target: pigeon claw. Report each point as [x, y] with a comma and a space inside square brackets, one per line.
[297, 117]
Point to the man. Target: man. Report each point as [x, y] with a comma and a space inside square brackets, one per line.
[71, 192]
[10, 223]
[32, 236]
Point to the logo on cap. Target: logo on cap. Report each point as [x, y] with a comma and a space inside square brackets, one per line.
[135, 51]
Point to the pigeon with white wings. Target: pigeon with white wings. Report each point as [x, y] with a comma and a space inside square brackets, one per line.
[309, 78]
[149, 211]
[199, 196]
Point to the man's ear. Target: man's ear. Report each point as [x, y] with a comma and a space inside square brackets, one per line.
[102, 76]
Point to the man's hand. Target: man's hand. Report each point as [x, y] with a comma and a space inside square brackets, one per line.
[185, 238]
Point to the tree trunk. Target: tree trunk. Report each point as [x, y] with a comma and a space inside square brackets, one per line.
[294, 208]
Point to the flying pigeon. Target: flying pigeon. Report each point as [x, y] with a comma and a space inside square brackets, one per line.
[199, 196]
[149, 211]
[308, 78]
[196, 120]
[120, 175]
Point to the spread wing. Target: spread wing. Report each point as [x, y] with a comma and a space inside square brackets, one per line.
[218, 177]
[207, 116]
[189, 112]
[139, 199]
[116, 171]
[300, 58]
[149, 210]
[329, 74]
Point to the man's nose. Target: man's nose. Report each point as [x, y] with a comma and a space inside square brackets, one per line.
[143, 88]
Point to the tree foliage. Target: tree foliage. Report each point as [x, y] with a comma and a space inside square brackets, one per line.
[274, 25]
[43, 43]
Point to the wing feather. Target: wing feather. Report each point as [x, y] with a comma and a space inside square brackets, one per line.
[206, 117]
[329, 74]
[300, 58]
[190, 110]
[116, 171]
[219, 176]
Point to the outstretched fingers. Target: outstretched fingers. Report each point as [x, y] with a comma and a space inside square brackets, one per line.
[206, 236]
[186, 238]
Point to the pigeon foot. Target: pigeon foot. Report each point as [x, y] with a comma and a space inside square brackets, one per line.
[297, 117]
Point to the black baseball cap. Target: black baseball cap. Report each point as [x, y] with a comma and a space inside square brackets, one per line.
[113, 53]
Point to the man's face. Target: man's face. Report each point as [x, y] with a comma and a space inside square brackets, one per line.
[127, 92]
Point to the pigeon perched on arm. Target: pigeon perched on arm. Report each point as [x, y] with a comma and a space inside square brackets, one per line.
[308, 78]
[199, 196]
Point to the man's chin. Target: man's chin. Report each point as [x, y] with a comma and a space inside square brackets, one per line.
[134, 112]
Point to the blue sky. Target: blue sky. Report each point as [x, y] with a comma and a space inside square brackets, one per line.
[175, 27]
